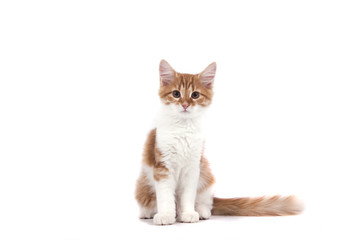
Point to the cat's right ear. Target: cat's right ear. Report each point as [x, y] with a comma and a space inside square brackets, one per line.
[167, 73]
[207, 76]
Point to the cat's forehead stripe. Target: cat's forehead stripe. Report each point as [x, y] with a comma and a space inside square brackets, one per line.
[186, 81]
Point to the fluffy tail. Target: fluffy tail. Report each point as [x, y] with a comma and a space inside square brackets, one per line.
[260, 206]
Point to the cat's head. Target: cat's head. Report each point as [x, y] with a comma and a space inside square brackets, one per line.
[186, 95]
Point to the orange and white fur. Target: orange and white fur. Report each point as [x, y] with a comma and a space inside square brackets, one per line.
[176, 182]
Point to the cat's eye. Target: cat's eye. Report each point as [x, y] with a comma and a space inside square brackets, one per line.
[176, 94]
[195, 95]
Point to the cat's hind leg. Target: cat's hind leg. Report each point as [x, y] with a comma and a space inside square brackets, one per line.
[204, 197]
[147, 213]
[203, 204]
[146, 197]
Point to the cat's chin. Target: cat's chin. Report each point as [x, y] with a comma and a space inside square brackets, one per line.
[192, 113]
[186, 114]
[189, 114]
[176, 112]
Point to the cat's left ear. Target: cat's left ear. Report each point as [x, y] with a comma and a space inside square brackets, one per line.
[208, 75]
[167, 73]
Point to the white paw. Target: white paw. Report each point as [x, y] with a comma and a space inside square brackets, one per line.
[146, 213]
[164, 218]
[204, 212]
[189, 217]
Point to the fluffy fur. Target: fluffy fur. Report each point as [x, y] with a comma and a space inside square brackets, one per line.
[175, 181]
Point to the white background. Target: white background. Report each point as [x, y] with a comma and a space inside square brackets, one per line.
[78, 94]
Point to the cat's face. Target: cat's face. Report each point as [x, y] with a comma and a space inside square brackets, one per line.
[186, 95]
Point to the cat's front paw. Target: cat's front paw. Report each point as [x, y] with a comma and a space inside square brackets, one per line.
[164, 218]
[189, 217]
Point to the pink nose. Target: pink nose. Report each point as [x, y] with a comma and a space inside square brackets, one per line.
[185, 106]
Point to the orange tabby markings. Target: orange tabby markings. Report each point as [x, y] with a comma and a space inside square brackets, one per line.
[152, 157]
[145, 194]
[207, 179]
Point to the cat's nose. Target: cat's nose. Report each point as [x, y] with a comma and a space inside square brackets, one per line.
[185, 106]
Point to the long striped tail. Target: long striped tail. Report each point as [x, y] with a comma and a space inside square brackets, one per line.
[259, 206]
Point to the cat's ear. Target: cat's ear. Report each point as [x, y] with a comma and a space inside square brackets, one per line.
[208, 75]
[167, 73]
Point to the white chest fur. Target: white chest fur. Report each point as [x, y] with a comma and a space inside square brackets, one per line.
[180, 142]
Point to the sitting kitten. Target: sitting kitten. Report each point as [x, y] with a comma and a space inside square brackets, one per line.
[176, 180]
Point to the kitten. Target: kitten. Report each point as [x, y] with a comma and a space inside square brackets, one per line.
[176, 181]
